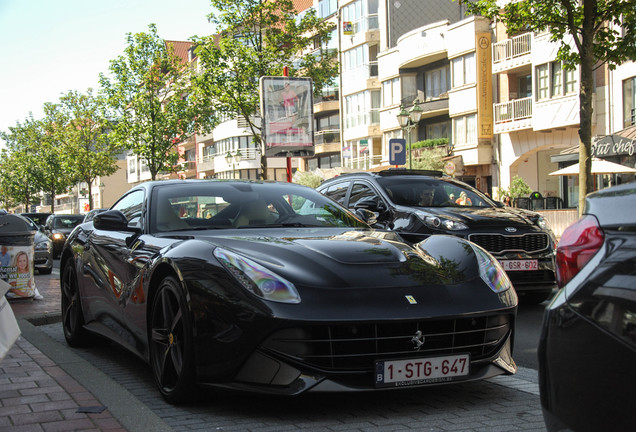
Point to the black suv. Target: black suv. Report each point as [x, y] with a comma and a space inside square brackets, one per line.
[420, 203]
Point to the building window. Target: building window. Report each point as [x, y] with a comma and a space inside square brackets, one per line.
[361, 109]
[436, 82]
[465, 130]
[629, 102]
[391, 92]
[557, 81]
[464, 70]
[437, 130]
[554, 81]
[542, 82]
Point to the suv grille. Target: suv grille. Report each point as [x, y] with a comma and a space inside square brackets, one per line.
[499, 243]
[356, 346]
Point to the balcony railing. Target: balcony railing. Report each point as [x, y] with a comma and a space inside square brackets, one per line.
[363, 162]
[514, 110]
[327, 136]
[512, 48]
[366, 23]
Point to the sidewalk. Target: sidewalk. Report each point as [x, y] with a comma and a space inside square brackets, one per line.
[46, 387]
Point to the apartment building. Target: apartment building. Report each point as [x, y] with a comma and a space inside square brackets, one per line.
[506, 106]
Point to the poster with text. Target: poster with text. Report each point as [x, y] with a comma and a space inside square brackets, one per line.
[16, 268]
[287, 110]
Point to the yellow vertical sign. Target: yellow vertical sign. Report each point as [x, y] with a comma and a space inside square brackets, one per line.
[484, 85]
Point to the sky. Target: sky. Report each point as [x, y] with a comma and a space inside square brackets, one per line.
[48, 47]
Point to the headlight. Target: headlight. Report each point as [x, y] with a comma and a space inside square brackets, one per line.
[491, 271]
[42, 245]
[58, 236]
[257, 279]
[436, 222]
[543, 224]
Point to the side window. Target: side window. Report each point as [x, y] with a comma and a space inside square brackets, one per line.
[361, 191]
[337, 192]
[131, 206]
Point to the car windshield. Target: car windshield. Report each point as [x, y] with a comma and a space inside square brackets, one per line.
[67, 221]
[432, 192]
[229, 205]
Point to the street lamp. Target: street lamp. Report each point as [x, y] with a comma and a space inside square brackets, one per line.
[233, 159]
[101, 186]
[408, 120]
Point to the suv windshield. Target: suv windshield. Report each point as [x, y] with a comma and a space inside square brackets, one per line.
[431, 192]
[67, 221]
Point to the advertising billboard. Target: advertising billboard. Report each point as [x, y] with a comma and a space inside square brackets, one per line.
[287, 111]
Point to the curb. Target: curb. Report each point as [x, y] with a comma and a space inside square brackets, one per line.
[127, 409]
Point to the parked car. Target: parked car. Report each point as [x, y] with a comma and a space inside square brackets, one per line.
[91, 214]
[417, 204]
[587, 349]
[43, 246]
[38, 218]
[274, 288]
[58, 227]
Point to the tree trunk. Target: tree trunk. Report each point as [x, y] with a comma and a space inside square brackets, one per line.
[585, 114]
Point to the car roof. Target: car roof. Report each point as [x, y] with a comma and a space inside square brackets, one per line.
[391, 172]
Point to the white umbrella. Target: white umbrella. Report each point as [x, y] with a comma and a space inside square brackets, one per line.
[599, 166]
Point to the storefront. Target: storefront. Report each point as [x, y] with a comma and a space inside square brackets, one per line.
[618, 148]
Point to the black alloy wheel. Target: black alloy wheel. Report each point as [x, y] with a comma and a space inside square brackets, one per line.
[171, 347]
[72, 315]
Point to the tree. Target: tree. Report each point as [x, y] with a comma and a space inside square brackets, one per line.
[53, 175]
[258, 38]
[594, 27]
[89, 151]
[19, 163]
[152, 110]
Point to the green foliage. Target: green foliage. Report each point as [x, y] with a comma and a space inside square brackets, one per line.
[258, 38]
[88, 151]
[430, 160]
[518, 188]
[307, 178]
[430, 143]
[152, 110]
[33, 160]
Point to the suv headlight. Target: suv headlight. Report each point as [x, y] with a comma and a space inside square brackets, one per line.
[58, 236]
[543, 224]
[436, 222]
[43, 245]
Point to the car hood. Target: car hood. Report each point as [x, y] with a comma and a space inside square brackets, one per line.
[344, 258]
[485, 216]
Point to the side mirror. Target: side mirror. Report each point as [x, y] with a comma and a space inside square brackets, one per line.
[367, 216]
[113, 220]
[369, 204]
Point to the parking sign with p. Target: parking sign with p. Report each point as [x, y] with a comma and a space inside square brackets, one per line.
[397, 151]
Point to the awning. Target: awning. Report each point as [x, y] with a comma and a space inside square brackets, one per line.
[599, 166]
[619, 143]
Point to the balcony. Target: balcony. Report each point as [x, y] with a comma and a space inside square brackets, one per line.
[362, 77]
[513, 115]
[512, 53]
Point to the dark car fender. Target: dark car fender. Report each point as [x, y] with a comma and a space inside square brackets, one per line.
[221, 311]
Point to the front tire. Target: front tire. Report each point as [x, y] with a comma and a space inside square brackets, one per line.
[171, 343]
[72, 314]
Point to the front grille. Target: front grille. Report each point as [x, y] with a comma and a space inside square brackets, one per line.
[537, 277]
[348, 347]
[499, 243]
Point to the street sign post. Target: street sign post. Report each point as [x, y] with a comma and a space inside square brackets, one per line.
[397, 151]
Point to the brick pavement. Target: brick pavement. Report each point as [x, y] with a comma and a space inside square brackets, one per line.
[36, 394]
